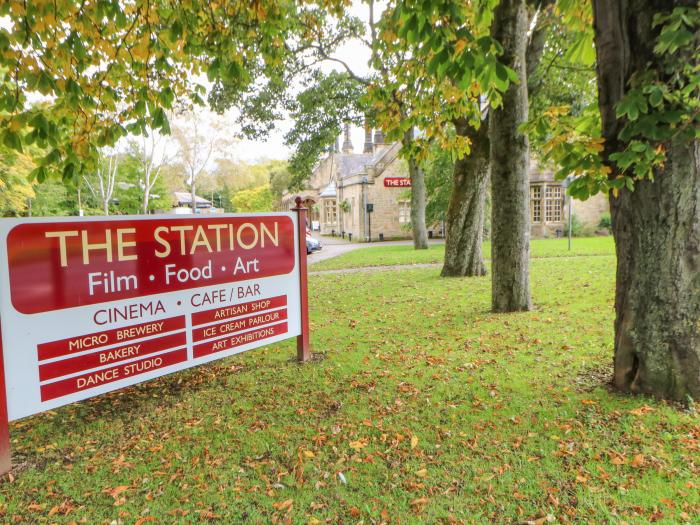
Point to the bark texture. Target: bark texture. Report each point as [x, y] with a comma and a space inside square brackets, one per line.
[420, 232]
[656, 227]
[509, 153]
[464, 222]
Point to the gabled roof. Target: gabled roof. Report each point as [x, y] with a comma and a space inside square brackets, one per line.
[185, 199]
[352, 163]
[329, 191]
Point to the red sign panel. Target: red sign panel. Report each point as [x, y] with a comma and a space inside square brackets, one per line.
[53, 266]
[110, 356]
[238, 325]
[219, 314]
[227, 343]
[108, 375]
[397, 182]
[108, 337]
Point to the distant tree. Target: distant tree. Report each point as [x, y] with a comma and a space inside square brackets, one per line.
[254, 199]
[103, 180]
[438, 168]
[54, 198]
[15, 190]
[198, 141]
[280, 179]
[131, 188]
[153, 152]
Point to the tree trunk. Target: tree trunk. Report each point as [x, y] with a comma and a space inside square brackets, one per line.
[656, 227]
[105, 206]
[465, 213]
[146, 198]
[194, 197]
[509, 153]
[420, 232]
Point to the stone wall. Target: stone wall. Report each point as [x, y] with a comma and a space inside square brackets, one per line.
[590, 211]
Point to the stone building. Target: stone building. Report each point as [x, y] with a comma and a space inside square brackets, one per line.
[549, 206]
[367, 194]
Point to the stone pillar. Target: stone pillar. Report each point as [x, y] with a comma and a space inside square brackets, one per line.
[378, 137]
[347, 143]
[369, 145]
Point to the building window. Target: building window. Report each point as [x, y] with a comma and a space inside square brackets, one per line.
[536, 204]
[404, 212]
[331, 212]
[552, 203]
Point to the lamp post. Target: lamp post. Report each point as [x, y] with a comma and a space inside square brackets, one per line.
[365, 181]
[567, 182]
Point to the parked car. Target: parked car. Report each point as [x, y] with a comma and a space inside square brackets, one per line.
[312, 245]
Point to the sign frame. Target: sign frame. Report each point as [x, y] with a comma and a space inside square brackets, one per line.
[303, 339]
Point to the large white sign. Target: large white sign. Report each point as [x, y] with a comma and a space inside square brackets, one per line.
[93, 305]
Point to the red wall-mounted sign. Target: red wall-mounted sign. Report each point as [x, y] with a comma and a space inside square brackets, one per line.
[397, 182]
[92, 305]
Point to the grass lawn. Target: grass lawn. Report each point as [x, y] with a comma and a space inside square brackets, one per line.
[423, 408]
[399, 254]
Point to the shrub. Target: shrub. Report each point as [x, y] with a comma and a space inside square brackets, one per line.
[577, 228]
[605, 221]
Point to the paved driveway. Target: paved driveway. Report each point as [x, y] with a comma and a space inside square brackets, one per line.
[335, 246]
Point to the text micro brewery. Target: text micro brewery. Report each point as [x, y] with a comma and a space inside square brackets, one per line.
[92, 305]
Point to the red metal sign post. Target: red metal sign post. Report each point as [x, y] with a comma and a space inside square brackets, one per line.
[5, 456]
[303, 340]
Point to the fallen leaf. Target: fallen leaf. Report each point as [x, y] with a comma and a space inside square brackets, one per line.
[360, 443]
[282, 505]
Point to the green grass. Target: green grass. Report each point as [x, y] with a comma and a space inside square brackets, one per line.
[400, 254]
[431, 408]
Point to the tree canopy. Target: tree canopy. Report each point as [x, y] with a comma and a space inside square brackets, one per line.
[111, 68]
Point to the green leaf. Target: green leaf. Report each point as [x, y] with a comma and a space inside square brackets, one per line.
[12, 140]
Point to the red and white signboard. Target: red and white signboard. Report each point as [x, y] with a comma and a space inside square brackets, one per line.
[397, 182]
[92, 305]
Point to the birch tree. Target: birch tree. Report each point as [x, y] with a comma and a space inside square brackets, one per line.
[198, 140]
[154, 153]
[102, 183]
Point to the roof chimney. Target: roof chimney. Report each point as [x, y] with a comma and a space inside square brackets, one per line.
[378, 137]
[369, 145]
[347, 143]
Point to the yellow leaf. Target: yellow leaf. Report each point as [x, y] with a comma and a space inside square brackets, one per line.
[282, 505]
[638, 461]
[309, 454]
[414, 441]
[360, 443]
[641, 410]
[422, 473]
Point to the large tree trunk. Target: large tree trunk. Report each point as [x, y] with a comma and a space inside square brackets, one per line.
[510, 151]
[656, 227]
[420, 232]
[465, 213]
